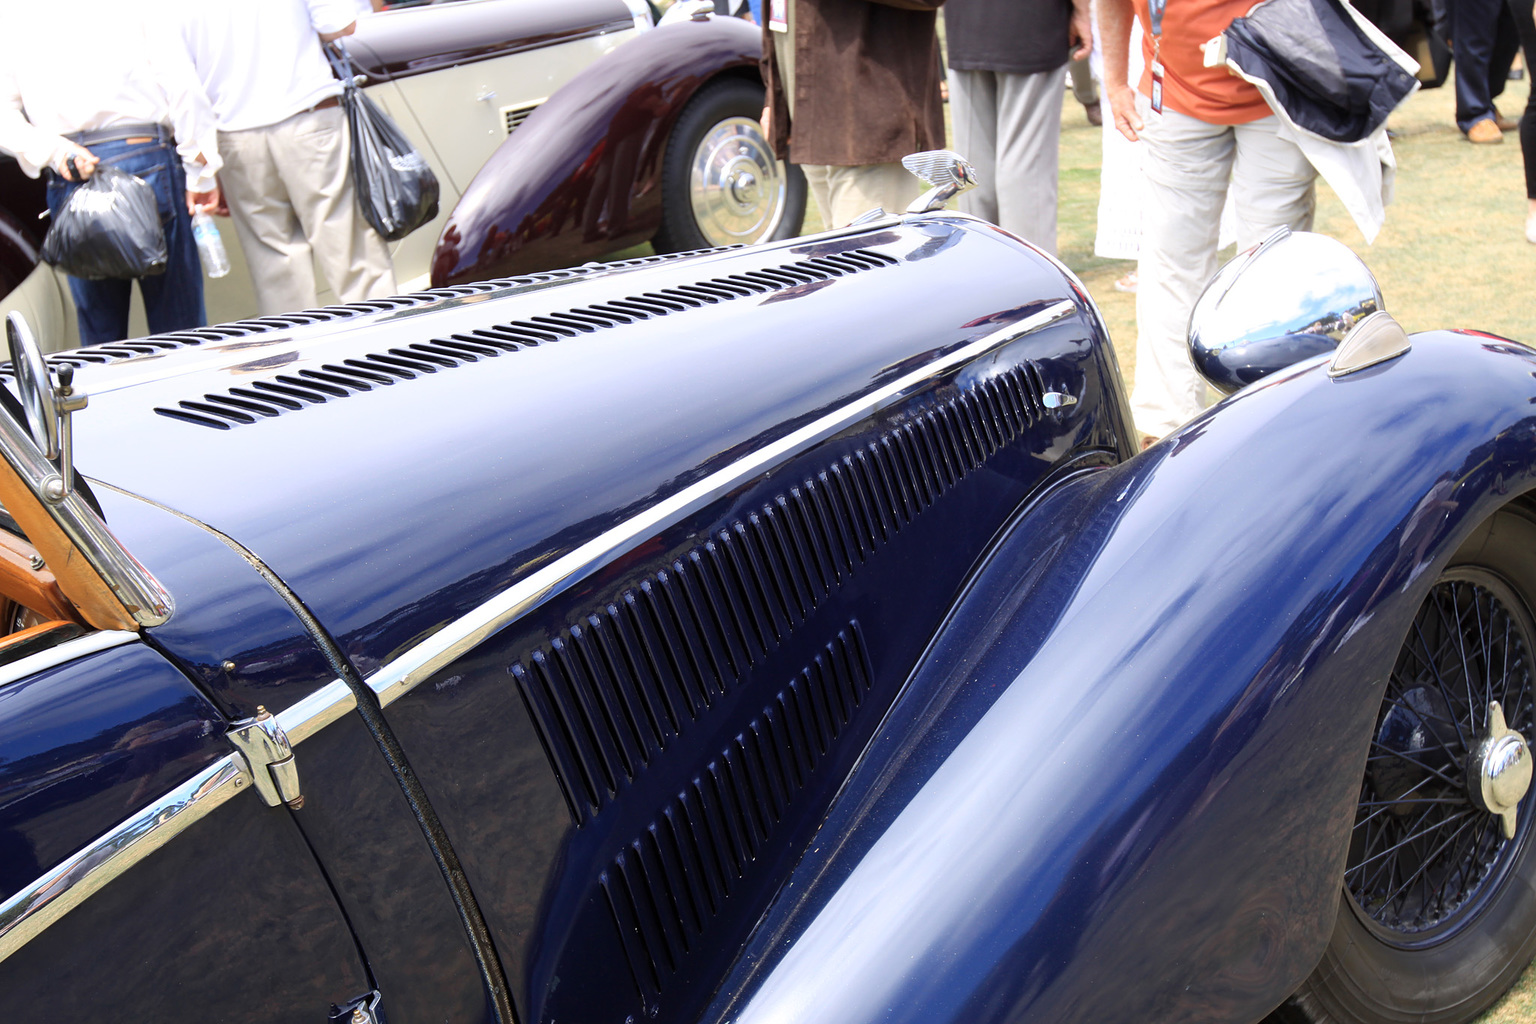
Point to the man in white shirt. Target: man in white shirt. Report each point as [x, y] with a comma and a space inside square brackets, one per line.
[286, 151]
[127, 95]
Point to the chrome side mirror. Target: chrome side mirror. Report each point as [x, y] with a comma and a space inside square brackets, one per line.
[47, 408]
[37, 478]
[945, 172]
[1293, 296]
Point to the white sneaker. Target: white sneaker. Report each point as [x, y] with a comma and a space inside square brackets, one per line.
[1530, 228]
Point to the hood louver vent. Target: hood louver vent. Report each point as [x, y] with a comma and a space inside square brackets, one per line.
[158, 344]
[292, 391]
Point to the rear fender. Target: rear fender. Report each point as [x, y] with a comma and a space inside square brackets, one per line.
[582, 176]
[1120, 784]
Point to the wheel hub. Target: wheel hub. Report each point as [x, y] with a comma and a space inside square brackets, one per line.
[744, 188]
[1500, 771]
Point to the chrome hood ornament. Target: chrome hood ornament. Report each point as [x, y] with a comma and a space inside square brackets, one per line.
[945, 172]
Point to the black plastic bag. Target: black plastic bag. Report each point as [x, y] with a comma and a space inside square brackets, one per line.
[108, 227]
[396, 189]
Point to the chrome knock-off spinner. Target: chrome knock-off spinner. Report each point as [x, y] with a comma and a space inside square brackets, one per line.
[1499, 772]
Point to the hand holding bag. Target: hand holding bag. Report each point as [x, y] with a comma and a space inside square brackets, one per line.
[108, 227]
[396, 189]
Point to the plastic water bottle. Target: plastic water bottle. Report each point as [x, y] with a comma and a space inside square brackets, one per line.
[209, 245]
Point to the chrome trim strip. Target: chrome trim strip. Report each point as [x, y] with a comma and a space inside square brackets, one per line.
[330, 703]
[69, 650]
[26, 914]
[399, 677]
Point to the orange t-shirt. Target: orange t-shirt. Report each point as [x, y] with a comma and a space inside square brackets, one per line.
[1213, 95]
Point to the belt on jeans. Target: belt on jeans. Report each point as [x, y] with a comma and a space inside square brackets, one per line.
[325, 104]
[119, 132]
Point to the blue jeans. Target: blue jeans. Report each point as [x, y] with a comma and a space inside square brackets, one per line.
[1484, 41]
[173, 301]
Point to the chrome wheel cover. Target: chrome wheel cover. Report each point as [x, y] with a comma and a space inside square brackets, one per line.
[735, 185]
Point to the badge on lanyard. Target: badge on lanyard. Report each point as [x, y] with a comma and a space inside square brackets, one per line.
[1157, 86]
[1155, 10]
[778, 15]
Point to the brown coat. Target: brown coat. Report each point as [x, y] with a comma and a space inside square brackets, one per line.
[866, 82]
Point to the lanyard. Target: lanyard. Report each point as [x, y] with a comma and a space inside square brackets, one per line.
[1155, 9]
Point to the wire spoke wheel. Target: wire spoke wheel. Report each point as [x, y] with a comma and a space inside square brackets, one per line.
[1423, 852]
[1437, 917]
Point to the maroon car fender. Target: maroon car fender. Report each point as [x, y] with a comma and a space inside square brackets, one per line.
[582, 176]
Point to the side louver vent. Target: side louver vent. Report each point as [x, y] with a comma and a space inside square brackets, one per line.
[609, 694]
[513, 117]
[667, 885]
[244, 405]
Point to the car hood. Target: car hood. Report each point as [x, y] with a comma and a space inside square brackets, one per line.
[392, 508]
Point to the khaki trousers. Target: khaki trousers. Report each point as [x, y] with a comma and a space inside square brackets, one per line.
[290, 194]
[1188, 165]
[844, 193]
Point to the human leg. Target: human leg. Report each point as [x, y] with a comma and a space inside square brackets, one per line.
[1273, 183]
[1187, 164]
[973, 112]
[1526, 27]
[173, 300]
[854, 191]
[314, 153]
[1028, 155]
[1473, 23]
[817, 183]
[279, 256]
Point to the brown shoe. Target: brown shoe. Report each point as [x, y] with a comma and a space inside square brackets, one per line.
[1485, 132]
[1505, 124]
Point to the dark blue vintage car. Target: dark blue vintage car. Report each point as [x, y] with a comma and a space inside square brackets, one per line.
[782, 634]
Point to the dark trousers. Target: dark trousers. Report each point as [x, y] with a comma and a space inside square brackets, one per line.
[1521, 11]
[1484, 43]
[173, 301]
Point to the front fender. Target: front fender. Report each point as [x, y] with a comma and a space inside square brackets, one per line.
[582, 176]
[1120, 784]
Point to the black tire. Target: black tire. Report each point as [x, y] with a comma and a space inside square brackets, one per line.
[718, 173]
[1438, 922]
